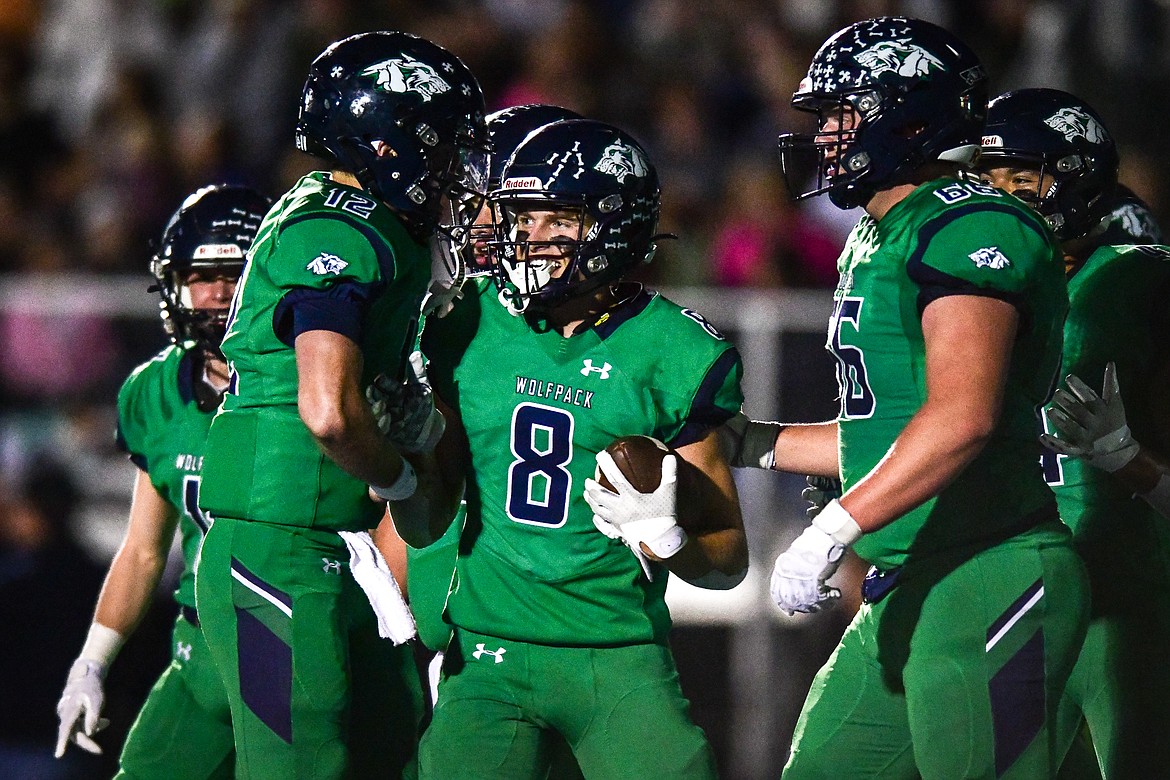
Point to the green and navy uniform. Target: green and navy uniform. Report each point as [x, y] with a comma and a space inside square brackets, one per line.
[556, 629]
[314, 691]
[956, 672]
[184, 729]
[1118, 313]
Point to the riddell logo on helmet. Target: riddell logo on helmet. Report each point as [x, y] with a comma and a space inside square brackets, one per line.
[204, 251]
[523, 183]
[992, 140]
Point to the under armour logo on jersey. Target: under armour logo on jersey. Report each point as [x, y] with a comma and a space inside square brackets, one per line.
[481, 651]
[326, 263]
[183, 651]
[331, 566]
[589, 368]
[990, 257]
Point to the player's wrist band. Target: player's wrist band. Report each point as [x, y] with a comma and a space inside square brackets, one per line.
[1119, 448]
[836, 521]
[759, 443]
[101, 645]
[402, 488]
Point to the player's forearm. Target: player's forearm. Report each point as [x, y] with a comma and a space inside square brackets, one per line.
[129, 587]
[936, 445]
[716, 560]
[425, 516]
[808, 449]
[1148, 476]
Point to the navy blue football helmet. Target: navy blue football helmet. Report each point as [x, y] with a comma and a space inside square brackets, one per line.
[599, 177]
[418, 102]
[918, 93]
[1061, 137]
[211, 231]
[509, 126]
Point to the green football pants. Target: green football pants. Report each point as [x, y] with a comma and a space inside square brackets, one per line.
[184, 730]
[314, 691]
[502, 704]
[957, 673]
[1121, 686]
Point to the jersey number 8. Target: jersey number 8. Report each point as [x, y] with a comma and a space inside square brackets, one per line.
[539, 482]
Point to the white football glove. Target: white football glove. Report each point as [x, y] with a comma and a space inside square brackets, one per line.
[750, 443]
[798, 577]
[640, 518]
[611, 530]
[1091, 427]
[405, 411]
[80, 707]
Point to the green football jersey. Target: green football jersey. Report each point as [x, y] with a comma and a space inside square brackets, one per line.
[163, 430]
[321, 239]
[1117, 312]
[947, 236]
[537, 408]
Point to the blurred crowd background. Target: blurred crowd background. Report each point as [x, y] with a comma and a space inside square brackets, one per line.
[112, 110]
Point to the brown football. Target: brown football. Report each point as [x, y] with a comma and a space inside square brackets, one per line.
[639, 458]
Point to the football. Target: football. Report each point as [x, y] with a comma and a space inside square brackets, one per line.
[639, 458]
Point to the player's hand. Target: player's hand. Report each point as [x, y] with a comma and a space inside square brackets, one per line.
[79, 709]
[800, 572]
[611, 530]
[820, 491]
[749, 443]
[649, 519]
[1091, 427]
[405, 411]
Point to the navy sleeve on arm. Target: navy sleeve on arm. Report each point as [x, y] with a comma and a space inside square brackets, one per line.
[705, 413]
[339, 309]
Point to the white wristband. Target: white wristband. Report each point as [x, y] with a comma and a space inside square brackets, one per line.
[403, 487]
[101, 645]
[836, 521]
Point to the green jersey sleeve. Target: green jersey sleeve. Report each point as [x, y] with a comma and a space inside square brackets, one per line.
[984, 248]
[321, 252]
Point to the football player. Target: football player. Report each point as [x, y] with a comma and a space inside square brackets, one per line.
[1053, 151]
[946, 327]
[560, 624]
[429, 569]
[330, 300]
[164, 410]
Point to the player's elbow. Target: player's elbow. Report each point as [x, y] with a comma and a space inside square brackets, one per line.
[717, 579]
[325, 418]
[973, 431]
